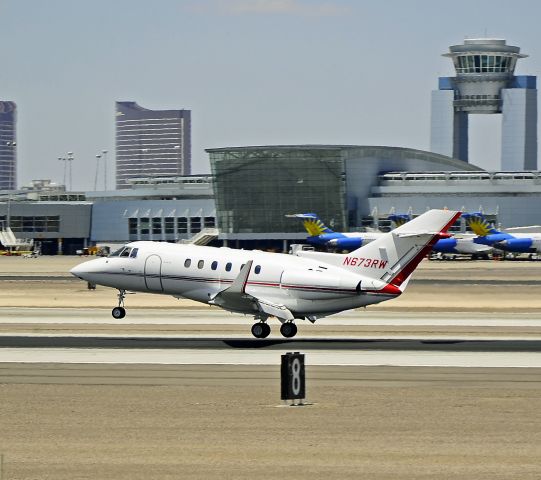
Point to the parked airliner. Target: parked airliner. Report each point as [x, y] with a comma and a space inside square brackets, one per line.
[321, 235]
[308, 285]
[502, 240]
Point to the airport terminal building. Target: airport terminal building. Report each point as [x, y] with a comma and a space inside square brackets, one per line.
[251, 190]
[256, 187]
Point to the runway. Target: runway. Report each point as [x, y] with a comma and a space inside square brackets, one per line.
[206, 315]
[209, 336]
[443, 384]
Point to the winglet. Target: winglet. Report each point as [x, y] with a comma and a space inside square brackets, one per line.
[235, 295]
[239, 284]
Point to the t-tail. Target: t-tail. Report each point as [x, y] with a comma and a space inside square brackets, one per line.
[312, 223]
[387, 263]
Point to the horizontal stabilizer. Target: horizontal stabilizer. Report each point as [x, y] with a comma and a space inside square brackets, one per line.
[417, 234]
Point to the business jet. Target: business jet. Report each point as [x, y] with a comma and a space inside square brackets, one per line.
[305, 286]
[320, 235]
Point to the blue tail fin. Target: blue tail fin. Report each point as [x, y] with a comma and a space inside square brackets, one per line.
[399, 219]
[312, 223]
[479, 224]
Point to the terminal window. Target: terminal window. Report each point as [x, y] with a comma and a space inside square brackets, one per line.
[132, 226]
[35, 223]
[156, 226]
[195, 224]
[169, 223]
[144, 226]
[182, 226]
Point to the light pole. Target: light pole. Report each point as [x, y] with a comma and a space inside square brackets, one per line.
[63, 159]
[104, 155]
[98, 156]
[70, 159]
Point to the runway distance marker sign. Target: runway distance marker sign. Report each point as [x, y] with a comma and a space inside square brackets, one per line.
[293, 377]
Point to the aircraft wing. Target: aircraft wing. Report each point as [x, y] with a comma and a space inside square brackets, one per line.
[274, 309]
[235, 298]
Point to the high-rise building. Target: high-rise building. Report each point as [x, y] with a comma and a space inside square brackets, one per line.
[151, 142]
[8, 146]
[485, 84]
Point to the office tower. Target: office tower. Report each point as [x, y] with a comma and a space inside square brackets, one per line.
[8, 146]
[151, 142]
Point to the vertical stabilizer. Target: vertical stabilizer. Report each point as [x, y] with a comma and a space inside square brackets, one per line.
[312, 223]
[479, 224]
[394, 256]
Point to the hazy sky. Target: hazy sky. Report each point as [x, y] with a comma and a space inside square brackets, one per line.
[253, 72]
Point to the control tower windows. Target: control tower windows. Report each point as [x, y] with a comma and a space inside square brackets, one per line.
[485, 64]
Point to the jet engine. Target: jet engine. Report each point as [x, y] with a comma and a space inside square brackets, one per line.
[519, 245]
[445, 245]
[311, 283]
[346, 243]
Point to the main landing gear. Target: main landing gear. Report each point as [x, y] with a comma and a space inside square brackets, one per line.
[288, 329]
[119, 312]
[262, 329]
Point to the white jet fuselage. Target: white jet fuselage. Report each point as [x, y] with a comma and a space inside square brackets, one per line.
[305, 286]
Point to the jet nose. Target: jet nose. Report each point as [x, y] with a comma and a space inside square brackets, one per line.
[86, 269]
[79, 270]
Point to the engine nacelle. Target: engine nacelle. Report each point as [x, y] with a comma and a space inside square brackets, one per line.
[445, 245]
[346, 243]
[492, 238]
[519, 245]
[314, 283]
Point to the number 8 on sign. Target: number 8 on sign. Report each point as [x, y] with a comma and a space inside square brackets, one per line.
[296, 379]
[293, 379]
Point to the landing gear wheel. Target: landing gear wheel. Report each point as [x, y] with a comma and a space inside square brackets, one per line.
[260, 330]
[118, 312]
[288, 329]
[266, 330]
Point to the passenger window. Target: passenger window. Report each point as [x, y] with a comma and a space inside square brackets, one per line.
[214, 265]
[133, 253]
[228, 267]
[242, 266]
[187, 262]
[200, 264]
[125, 252]
[257, 269]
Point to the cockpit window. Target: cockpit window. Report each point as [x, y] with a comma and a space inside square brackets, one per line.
[117, 253]
[125, 252]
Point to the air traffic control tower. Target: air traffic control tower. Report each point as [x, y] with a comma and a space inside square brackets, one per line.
[485, 83]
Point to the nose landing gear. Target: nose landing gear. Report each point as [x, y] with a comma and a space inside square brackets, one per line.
[119, 312]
